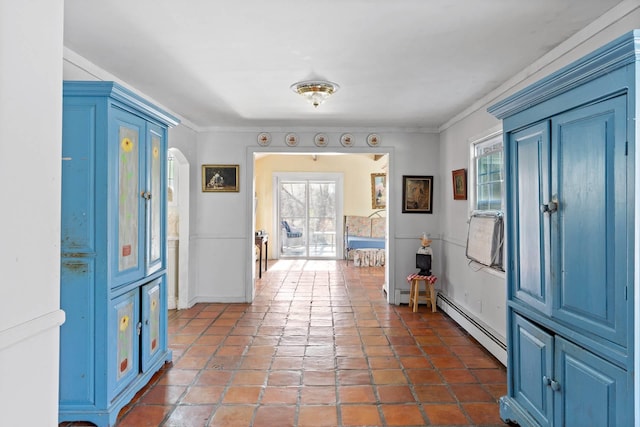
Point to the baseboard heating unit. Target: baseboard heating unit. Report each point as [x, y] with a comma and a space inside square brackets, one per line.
[488, 338]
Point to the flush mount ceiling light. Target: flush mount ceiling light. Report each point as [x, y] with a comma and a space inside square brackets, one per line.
[315, 91]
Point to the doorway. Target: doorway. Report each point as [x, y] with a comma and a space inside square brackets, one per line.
[356, 165]
[177, 230]
[309, 208]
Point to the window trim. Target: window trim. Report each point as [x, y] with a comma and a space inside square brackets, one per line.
[493, 134]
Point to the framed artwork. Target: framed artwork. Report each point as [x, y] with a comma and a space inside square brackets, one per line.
[459, 178]
[220, 178]
[378, 190]
[417, 194]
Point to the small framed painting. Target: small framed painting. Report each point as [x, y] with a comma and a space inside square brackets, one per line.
[378, 190]
[417, 194]
[459, 178]
[220, 178]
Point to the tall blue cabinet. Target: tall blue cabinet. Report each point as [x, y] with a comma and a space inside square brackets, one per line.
[113, 249]
[572, 243]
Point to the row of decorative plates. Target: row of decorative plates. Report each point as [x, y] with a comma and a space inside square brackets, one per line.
[321, 139]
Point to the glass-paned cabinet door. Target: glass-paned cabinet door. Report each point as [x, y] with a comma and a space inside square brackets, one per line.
[152, 322]
[123, 340]
[156, 161]
[128, 142]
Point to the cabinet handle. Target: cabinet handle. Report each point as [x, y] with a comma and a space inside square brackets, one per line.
[546, 380]
[139, 328]
[555, 385]
[552, 206]
[145, 195]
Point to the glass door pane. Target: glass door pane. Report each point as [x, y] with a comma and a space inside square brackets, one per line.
[293, 218]
[307, 222]
[322, 219]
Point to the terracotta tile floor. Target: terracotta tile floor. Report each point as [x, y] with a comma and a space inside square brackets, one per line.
[319, 346]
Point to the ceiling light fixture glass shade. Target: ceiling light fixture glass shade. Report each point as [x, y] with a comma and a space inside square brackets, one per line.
[315, 91]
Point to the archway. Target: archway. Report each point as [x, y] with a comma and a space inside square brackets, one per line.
[178, 230]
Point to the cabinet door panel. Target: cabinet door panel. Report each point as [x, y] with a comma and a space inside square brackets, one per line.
[153, 322]
[123, 356]
[529, 152]
[532, 350]
[589, 230]
[128, 142]
[156, 161]
[593, 392]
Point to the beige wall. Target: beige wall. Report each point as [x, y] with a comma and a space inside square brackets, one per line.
[357, 170]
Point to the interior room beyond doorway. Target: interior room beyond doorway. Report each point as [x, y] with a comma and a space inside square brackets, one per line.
[356, 168]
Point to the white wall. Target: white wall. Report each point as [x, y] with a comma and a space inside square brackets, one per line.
[30, 150]
[480, 294]
[222, 228]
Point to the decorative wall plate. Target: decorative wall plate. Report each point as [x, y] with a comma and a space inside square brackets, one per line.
[346, 140]
[321, 140]
[264, 139]
[373, 140]
[291, 139]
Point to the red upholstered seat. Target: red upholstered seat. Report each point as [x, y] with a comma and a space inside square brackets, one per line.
[430, 294]
[430, 279]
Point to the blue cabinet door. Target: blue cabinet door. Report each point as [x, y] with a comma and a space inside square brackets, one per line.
[591, 391]
[153, 322]
[123, 356]
[532, 368]
[589, 242]
[156, 160]
[528, 192]
[127, 144]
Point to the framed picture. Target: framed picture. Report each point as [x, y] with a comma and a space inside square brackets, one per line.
[220, 178]
[417, 194]
[378, 190]
[459, 178]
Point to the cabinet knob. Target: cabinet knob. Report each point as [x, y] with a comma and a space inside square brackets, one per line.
[546, 380]
[550, 207]
[555, 385]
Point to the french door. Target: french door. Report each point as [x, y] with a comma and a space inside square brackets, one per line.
[309, 209]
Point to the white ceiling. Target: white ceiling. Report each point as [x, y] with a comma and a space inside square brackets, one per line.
[400, 63]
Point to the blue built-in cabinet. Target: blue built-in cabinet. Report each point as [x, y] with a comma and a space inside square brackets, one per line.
[570, 160]
[113, 249]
